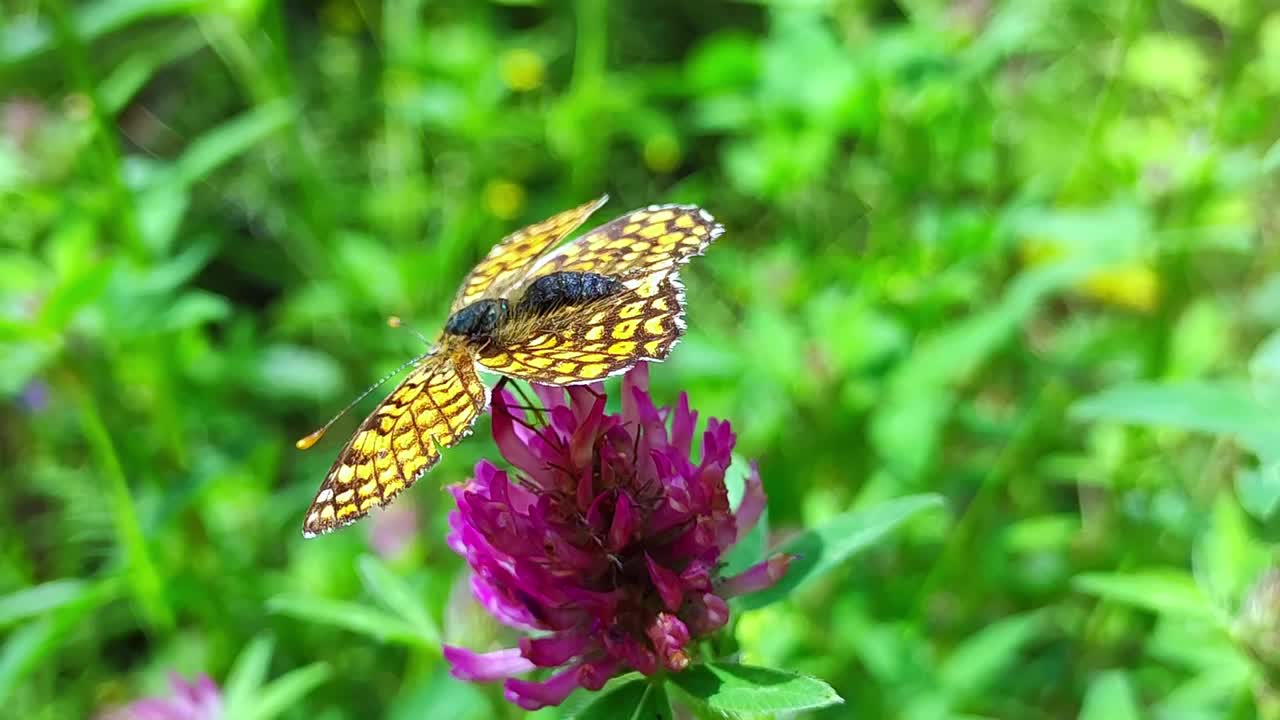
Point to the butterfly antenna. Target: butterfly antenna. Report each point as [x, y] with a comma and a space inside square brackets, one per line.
[395, 322]
[310, 440]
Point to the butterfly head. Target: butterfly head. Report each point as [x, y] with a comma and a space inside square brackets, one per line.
[478, 320]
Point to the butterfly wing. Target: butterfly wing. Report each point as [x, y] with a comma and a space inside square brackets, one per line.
[583, 343]
[510, 260]
[434, 407]
[655, 239]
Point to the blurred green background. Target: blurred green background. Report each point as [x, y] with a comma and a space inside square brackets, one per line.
[1021, 254]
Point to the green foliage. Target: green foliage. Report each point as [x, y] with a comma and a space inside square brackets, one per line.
[1017, 259]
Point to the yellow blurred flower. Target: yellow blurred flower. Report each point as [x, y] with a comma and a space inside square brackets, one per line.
[341, 16]
[504, 198]
[1135, 285]
[662, 153]
[521, 69]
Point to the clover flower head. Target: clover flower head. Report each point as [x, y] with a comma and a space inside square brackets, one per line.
[607, 542]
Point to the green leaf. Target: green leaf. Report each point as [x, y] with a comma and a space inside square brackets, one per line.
[1167, 592]
[1110, 697]
[160, 211]
[1259, 490]
[23, 651]
[285, 692]
[42, 598]
[375, 623]
[1226, 558]
[75, 292]
[637, 699]
[822, 549]
[742, 689]
[424, 696]
[1219, 408]
[751, 548]
[293, 371]
[132, 74]
[31, 643]
[393, 592]
[1169, 63]
[232, 138]
[978, 662]
[20, 41]
[247, 675]
[195, 308]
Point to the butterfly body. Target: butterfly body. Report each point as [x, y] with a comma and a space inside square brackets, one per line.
[574, 314]
[567, 288]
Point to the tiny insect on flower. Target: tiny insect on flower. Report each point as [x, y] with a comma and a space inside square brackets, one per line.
[199, 699]
[608, 542]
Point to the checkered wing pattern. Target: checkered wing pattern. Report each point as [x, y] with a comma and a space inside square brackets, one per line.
[652, 240]
[584, 343]
[511, 259]
[433, 408]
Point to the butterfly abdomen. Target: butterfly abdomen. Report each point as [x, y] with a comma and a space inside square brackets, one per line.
[566, 288]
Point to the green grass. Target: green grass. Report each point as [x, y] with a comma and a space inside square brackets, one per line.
[1022, 256]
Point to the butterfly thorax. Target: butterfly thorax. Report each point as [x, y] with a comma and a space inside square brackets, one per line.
[478, 320]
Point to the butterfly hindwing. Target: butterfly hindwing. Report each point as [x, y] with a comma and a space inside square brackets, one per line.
[585, 343]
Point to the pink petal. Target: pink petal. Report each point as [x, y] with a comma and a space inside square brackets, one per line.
[512, 447]
[552, 396]
[753, 502]
[682, 426]
[623, 523]
[503, 609]
[537, 695]
[635, 653]
[595, 674]
[669, 635]
[581, 400]
[485, 667]
[757, 577]
[668, 583]
[583, 441]
[708, 616]
[555, 650]
[634, 384]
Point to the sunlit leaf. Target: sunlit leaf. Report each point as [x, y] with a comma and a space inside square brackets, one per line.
[393, 592]
[822, 549]
[743, 690]
[29, 602]
[1217, 407]
[636, 699]
[377, 624]
[1170, 592]
[1110, 697]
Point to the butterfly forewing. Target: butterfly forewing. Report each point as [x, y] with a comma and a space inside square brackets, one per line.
[655, 239]
[434, 407]
[577, 344]
[511, 259]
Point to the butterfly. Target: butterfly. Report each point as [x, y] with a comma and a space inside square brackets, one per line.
[566, 315]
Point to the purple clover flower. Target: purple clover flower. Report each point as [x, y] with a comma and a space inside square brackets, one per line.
[607, 544]
[197, 700]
